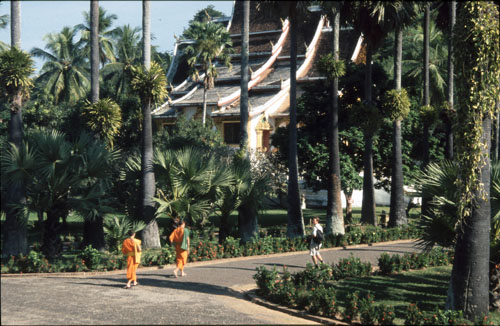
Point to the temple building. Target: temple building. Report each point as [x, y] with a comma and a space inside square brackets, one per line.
[269, 71]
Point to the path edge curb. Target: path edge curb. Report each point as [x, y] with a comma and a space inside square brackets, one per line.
[198, 263]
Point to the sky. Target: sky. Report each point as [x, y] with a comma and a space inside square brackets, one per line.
[39, 18]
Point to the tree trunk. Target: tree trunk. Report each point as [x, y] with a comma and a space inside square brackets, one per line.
[426, 100]
[52, 244]
[449, 123]
[94, 46]
[224, 228]
[204, 113]
[295, 225]
[470, 275]
[146, 34]
[348, 207]
[397, 213]
[244, 75]
[334, 216]
[368, 215]
[497, 133]
[150, 234]
[15, 23]
[247, 221]
[93, 233]
[14, 230]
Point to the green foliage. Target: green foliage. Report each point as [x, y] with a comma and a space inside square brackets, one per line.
[331, 68]
[368, 117]
[396, 263]
[351, 310]
[478, 38]
[429, 114]
[323, 301]
[64, 74]
[396, 104]
[367, 309]
[116, 230]
[351, 267]
[440, 182]
[15, 68]
[150, 84]
[90, 256]
[202, 16]
[385, 314]
[413, 315]
[266, 280]
[104, 118]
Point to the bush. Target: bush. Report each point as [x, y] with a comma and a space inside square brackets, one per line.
[351, 311]
[385, 314]
[367, 310]
[395, 263]
[266, 280]
[351, 267]
[284, 289]
[445, 317]
[91, 257]
[413, 315]
[323, 301]
[313, 277]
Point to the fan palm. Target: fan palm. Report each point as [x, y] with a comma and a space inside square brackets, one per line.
[117, 75]
[189, 183]
[106, 53]
[65, 72]
[16, 67]
[212, 43]
[60, 176]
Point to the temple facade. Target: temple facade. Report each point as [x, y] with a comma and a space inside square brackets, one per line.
[269, 71]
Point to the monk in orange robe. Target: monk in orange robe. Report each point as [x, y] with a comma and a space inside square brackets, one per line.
[132, 248]
[180, 238]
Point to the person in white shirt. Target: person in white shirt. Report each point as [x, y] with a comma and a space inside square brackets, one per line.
[315, 244]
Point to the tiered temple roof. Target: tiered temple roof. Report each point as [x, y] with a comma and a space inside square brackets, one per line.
[269, 60]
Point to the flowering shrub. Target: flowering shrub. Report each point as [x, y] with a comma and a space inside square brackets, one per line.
[266, 280]
[313, 277]
[351, 267]
[395, 263]
[367, 309]
[284, 289]
[323, 301]
[91, 257]
[351, 311]
[385, 314]
[413, 315]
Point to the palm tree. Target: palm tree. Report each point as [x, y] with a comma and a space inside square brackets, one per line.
[476, 35]
[146, 34]
[245, 27]
[117, 75]
[103, 118]
[104, 22]
[150, 84]
[60, 176]
[4, 20]
[334, 214]
[369, 19]
[94, 51]
[15, 68]
[64, 74]
[15, 23]
[401, 14]
[212, 43]
[449, 132]
[190, 182]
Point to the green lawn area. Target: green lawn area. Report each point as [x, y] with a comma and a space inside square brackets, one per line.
[427, 288]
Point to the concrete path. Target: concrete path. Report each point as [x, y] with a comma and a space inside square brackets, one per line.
[211, 293]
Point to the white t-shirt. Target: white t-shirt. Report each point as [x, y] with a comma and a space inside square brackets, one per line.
[317, 227]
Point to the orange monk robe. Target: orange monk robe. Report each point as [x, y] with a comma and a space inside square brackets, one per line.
[180, 254]
[129, 248]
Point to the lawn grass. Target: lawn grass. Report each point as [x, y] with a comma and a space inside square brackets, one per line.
[427, 288]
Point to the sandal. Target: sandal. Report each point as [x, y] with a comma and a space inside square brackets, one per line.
[135, 284]
[126, 287]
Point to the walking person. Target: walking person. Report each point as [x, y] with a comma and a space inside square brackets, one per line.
[316, 241]
[132, 248]
[180, 238]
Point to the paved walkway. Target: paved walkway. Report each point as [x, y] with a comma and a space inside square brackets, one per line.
[211, 293]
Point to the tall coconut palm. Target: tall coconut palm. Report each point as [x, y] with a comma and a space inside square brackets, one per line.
[245, 28]
[293, 10]
[94, 51]
[16, 67]
[117, 75]
[105, 34]
[212, 43]
[334, 214]
[477, 37]
[369, 19]
[449, 132]
[64, 74]
[401, 14]
[150, 84]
